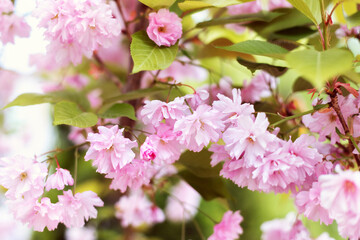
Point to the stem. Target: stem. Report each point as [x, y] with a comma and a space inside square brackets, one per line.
[297, 115]
[57, 150]
[75, 170]
[198, 229]
[325, 24]
[110, 74]
[127, 29]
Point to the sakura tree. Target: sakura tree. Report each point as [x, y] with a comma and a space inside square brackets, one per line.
[189, 119]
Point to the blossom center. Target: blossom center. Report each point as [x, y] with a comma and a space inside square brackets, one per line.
[162, 29]
[349, 186]
[251, 139]
[23, 176]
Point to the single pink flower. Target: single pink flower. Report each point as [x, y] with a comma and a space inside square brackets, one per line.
[132, 176]
[59, 179]
[76, 209]
[164, 27]
[199, 128]
[148, 151]
[109, 149]
[11, 26]
[229, 228]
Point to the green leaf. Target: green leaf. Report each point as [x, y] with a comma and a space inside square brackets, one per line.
[260, 16]
[157, 4]
[28, 99]
[119, 110]
[310, 8]
[149, 56]
[275, 71]
[69, 113]
[353, 20]
[318, 67]
[198, 163]
[146, 92]
[188, 5]
[256, 47]
[208, 187]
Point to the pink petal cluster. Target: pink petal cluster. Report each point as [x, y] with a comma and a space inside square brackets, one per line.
[76, 28]
[229, 228]
[59, 179]
[257, 6]
[340, 196]
[11, 25]
[109, 149]
[308, 203]
[183, 203]
[199, 128]
[22, 177]
[136, 210]
[133, 175]
[75, 209]
[164, 28]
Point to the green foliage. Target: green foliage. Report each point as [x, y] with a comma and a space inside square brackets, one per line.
[260, 16]
[69, 113]
[310, 8]
[256, 47]
[149, 56]
[208, 187]
[301, 84]
[271, 69]
[319, 67]
[157, 4]
[199, 163]
[119, 110]
[353, 20]
[28, 99]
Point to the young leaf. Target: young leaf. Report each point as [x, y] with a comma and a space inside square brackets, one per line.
[149, 56]
[301, 84]
[199, 163]
[28, 99]
[318, 67]
[69, 113]
[310, 8]
[353, 20]
[157, 4]
[119, 110]
[256, 47]
[275, 71]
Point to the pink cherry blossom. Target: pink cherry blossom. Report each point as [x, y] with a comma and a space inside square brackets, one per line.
[148, 151]
[199, 98]
[6, 6]
[76, 28]
[11, 26]
[22, 176]
[199, 128]
[340, 193]
[78, 81]
[348, 225]
[75, 209]
[156, 111]
[232, 109]
[167, 147]
[88, 233]
[164, 27]
[219, 154]
[308, 203]
[135, 210]
[44, 214]
[59, 179]
[109, 149]
[229, 228]
[249, 138]
[133, 175]
[324, 236]
[183, 203]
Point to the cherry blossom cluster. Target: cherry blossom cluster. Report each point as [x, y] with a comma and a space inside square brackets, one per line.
[25, 180]
[11, 25]
[76, 28]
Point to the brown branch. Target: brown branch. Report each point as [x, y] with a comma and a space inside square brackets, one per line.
[336, 107]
